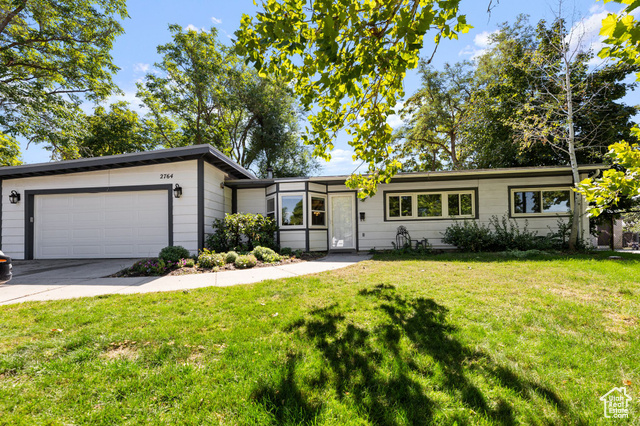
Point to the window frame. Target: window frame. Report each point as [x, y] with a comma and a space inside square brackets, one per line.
[300, 194]
[326, 213]
[275, 207]
[444, 199]
[540, 189]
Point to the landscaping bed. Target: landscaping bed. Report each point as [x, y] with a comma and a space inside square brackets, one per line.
[154, 266]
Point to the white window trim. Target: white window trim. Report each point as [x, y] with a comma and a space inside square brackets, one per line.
[540, 189]
[275, 207]
[304, 209]
[326, 213]
[445, 205]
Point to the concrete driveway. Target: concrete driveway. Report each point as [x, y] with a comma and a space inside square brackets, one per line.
[66, 279]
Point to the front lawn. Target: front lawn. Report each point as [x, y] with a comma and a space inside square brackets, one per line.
[477, 339]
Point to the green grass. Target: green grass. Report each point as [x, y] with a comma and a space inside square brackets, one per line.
[472, 339]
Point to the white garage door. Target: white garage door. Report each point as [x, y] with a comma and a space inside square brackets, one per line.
[101, 225]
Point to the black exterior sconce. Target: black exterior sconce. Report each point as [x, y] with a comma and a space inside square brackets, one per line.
[14, 197]
[361, 216]
[177, 191]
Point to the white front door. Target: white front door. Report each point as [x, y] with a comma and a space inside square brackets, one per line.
[101, 225]
[342, 229]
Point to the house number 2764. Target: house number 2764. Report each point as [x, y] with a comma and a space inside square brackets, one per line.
[166, 175]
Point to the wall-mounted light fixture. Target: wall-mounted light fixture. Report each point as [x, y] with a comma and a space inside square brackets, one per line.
[361, 216]
[14, 197]
[221, 185]
[177, 191]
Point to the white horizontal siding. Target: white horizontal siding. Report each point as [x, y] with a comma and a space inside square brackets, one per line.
[318, 240]
[317, 187]
[292, 186]
[293, 239]
[215, 198]
[493, 200]
[252, 200]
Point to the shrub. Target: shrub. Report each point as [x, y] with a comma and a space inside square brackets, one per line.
[188, 263]
[231, 257]
[246, 261]
[151, 267]
[469, 236]
[242, 232]
[266, 254]
[173, 254]
[210, 259]
[505, 236]
[286, 251]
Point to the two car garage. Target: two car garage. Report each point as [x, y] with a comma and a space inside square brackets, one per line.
[121, 206]
[100, 225]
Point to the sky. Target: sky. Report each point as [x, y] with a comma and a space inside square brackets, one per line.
[135, 51]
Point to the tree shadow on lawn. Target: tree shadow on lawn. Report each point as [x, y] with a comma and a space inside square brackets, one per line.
[375, 371]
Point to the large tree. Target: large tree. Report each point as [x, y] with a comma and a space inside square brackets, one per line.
[9, 151]
[439, 115]
[621, 183]
[118, 130]
[204, 93]
[519, 113]
[54, 55]
[347, 60]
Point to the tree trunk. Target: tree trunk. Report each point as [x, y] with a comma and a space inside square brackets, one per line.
[577, 198]
[454, 154]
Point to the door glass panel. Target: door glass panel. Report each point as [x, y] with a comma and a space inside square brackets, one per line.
[342, 229]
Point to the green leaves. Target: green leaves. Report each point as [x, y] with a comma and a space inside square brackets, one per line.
[614, 185]
[623, 35]
[54, 54]
[346, 60]
[9, 151]
[205, 93]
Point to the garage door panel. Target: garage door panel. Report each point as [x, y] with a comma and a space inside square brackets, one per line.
[110, 224]
[84, 234]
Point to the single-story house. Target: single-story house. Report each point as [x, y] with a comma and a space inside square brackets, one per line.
[132, 205]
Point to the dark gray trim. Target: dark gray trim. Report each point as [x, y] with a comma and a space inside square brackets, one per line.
[200, 190]
[307, 222]
[1, 201]
[540, 187]
[30, 205]
[357, 219]
[234, 200]
[206, 152]
[28, 225]
[427, 191]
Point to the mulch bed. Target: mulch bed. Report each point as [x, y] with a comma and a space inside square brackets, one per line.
[228, 267]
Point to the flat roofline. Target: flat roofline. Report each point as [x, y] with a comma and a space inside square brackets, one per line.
[433, 175]
[207, 152]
